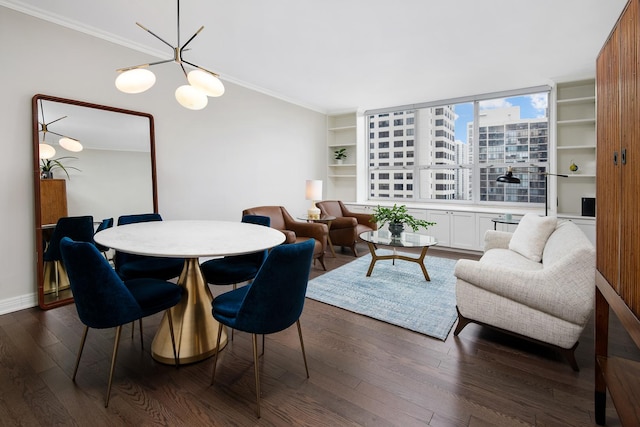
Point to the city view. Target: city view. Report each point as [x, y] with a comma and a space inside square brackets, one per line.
[432, 153]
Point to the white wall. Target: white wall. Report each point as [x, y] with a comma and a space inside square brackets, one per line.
[244, 149]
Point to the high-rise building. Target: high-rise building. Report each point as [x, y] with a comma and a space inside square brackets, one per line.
[422, 141]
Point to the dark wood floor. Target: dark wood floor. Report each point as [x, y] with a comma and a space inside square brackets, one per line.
[363, 372]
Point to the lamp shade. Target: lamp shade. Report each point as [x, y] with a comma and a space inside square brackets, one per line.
[70, 144]
[508, 177]
[46, 151]
[205, 82]
[191, 98]
[313, 189]
[136, 80]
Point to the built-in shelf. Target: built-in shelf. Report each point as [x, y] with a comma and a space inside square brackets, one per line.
[342, 133]
[582, 100]
[576, 122]
[577, 147]
[575, 144]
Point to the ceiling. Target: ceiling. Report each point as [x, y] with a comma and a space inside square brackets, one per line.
[343, 55]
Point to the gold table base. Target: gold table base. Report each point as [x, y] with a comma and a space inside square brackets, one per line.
[420, 260]
[194, 327]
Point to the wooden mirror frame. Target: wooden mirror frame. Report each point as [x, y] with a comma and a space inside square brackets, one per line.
[36, 181]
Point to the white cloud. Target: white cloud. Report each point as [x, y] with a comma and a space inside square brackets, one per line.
[492, 104]
[539, 101]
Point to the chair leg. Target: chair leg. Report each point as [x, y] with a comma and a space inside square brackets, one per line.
[262, 354]
[173, 339]
[113, 363]
[141, 342]
[82, 341]
[321, 259]
[304, 356]
[215, 358]
[256, 372]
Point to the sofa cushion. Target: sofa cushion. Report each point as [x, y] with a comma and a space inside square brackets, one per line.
[531, 235]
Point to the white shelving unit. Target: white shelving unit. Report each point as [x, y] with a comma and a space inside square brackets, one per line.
[575, 143]
[341, 133]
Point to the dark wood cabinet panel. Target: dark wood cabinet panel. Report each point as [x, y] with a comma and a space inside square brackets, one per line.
[618, 220]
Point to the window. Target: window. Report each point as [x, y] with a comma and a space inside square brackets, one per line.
[458, 150]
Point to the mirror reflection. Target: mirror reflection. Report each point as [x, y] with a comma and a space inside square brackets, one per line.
[103, 167]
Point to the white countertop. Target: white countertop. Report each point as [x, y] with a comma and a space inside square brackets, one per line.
[190, 239]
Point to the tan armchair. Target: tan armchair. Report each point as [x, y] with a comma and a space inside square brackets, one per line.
[347, 226]
[295, 231]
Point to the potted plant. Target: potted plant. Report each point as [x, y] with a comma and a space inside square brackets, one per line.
[48, 165]
[340, 155]
[397, 217]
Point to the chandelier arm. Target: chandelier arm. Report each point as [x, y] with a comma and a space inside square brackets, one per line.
[147, 65]
[154, 34]
[59, 134]
[201, 68]
[184, 71]
[192, 37]
[63, 117]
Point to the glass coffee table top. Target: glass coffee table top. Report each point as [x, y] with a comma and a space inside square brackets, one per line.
[406, 240]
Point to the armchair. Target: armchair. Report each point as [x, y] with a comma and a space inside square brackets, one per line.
[347, 226]
[295, 231]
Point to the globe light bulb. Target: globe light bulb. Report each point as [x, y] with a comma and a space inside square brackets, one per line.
[70, 144]
[46, 151]
[136, 80]
[191, 98]
[205, 82]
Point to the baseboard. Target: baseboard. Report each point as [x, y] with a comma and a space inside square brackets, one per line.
[9, 305]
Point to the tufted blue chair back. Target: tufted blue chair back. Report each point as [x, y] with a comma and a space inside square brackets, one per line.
[101, 297]
[78, 228]
[275, 299]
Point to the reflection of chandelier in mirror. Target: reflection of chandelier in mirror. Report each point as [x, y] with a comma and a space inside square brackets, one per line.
[46, 150]
[202, 82]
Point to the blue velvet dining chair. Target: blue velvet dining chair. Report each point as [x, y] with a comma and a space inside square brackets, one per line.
[103, 300]
[271, 303]
[79, 228]
[232, 270]
[132, 266]
[104, 224]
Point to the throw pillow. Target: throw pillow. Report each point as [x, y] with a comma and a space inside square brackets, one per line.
[531, 235]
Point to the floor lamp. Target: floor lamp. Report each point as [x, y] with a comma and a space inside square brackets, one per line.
[508, 178]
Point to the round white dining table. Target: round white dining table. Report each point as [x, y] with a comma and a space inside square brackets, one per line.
[195, 328]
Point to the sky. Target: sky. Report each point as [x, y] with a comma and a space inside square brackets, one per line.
[531, 106]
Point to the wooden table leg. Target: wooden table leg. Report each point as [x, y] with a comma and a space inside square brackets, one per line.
[374, 258]
[420, 260]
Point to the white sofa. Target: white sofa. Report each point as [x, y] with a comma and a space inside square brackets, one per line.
[548, 301]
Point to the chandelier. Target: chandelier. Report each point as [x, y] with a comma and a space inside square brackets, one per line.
[202, 82]
[46, 151]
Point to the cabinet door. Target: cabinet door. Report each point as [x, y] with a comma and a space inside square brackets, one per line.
[441, 230]
[608, 160]
[463, 234]
[630, 132]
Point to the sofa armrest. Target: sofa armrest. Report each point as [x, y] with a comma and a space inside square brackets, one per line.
[364, 219]
[343, 222]
[310, 229]
[289, 236]
[561, 291]
[496, 239]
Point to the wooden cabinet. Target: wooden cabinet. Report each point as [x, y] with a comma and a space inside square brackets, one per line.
[53, 200]
[454, 229]
[618, 222]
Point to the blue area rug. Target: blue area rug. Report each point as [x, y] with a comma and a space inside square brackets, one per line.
[396, 294]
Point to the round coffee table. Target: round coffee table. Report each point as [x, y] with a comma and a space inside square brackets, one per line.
[405, 240]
